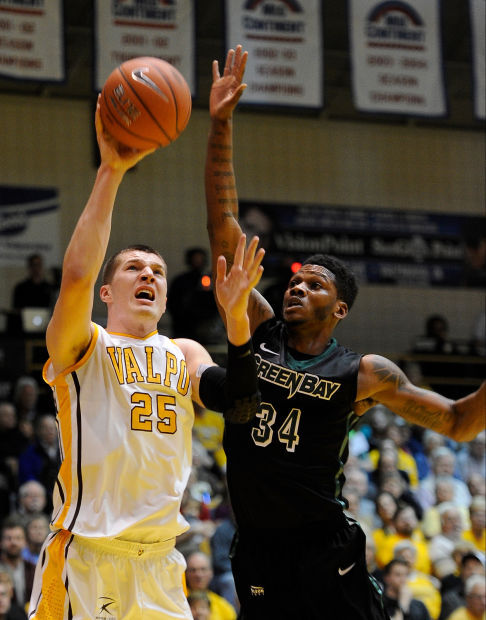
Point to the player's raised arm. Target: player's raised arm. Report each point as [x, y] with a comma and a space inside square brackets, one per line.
[69, 332]
[221, 195]
[234, 390]
[385, 382]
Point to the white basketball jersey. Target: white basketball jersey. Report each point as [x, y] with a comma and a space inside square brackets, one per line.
[125, 420]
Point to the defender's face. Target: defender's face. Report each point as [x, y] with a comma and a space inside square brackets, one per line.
[312, 295]
[139, 285]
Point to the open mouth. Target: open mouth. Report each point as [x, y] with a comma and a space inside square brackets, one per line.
[145, 293]
[294, 301]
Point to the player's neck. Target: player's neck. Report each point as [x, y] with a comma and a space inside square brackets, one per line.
[307, 341]
[137, 328]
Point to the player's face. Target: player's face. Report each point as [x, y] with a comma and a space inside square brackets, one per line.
[311, 295]
[139, 285]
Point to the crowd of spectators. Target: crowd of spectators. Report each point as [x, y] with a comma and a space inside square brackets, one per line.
[419, 497]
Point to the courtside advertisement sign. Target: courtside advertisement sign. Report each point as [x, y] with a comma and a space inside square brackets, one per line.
[396, 55]
[125, 29]
[32, 40]
[29, 223]
[284, 42]
[382, 246]
[478, 18]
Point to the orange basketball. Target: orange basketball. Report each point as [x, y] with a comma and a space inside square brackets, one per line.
[145, 103]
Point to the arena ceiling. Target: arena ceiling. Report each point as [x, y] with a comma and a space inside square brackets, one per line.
[337, 80]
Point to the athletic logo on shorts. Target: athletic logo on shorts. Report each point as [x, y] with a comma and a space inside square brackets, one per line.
[343, 571]
[104, 612]
[257, 590]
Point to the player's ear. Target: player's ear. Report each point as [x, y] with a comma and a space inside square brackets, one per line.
[341, 309]
[105, 293]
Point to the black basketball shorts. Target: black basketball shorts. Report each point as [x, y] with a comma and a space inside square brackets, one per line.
[305, 575]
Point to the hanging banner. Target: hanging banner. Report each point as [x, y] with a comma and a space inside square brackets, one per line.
[29, 223]
[284, 42]
[125, 30]
[478, 17]
[383, 246]
[32, 40]
[396, 57]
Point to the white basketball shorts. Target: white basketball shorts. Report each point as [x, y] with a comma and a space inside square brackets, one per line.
[91, 579]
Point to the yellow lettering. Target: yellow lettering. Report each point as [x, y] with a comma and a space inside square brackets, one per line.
[170, 367]
[132, 370]
[151, 378]
[116, 360]
[183, 383]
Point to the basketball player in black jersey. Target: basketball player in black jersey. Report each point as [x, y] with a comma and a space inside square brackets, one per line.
[296, 556]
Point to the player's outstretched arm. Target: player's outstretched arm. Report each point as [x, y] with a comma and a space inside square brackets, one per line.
[233, 391]
[221, 195]
[69, 331]
[385, 382]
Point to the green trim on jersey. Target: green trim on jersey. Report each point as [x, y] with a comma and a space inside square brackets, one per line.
[297, 365]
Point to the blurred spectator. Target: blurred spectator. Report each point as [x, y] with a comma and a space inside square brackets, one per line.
[396, 435]
[476, 534]
[9, 610]
[26, 400]
[436, 337]
[472, 460]
[12, 544]
[194, 508]
[478, 336]
[455, 597]
[444, 493]
[442, 545]
[191, 303]
[198, 576]
[375, 423]
[357, 482]
[398, 598]
[386, 507]
[35, 291]
[424, 587]
[12, 443]
[223, 582]
[406, 528]
[443, 462]
[475, 600]
[476, 485]
[36, 532]
[396, 484]
[41, 460]
[208, 429]
[32, 499]
[200, 605]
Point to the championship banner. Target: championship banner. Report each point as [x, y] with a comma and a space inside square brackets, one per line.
[382, 246]
[284, 42]
[396, 57]
[125, 30]
[29, 223]
[32, 40]
[478, 17]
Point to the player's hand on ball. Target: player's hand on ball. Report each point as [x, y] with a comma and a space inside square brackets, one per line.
[227, 89]
[112, 153]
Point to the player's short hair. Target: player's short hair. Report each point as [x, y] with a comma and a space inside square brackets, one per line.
[346, 285]
[112, 263]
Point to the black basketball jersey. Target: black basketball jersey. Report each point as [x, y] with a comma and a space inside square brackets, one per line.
[285, 467]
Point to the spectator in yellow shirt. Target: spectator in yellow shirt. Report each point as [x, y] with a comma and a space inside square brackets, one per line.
[477, 532]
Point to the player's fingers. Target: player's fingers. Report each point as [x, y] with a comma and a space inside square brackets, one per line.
[250, 253]
[229, 62]
[216, 75]
[241, 66]
[256, 270]
[240, 251]
[220, 270]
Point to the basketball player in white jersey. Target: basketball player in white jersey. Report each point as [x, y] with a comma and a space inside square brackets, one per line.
[124, 403]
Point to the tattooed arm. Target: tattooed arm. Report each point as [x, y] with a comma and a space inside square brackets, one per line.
[221, 196]
[382, 380]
